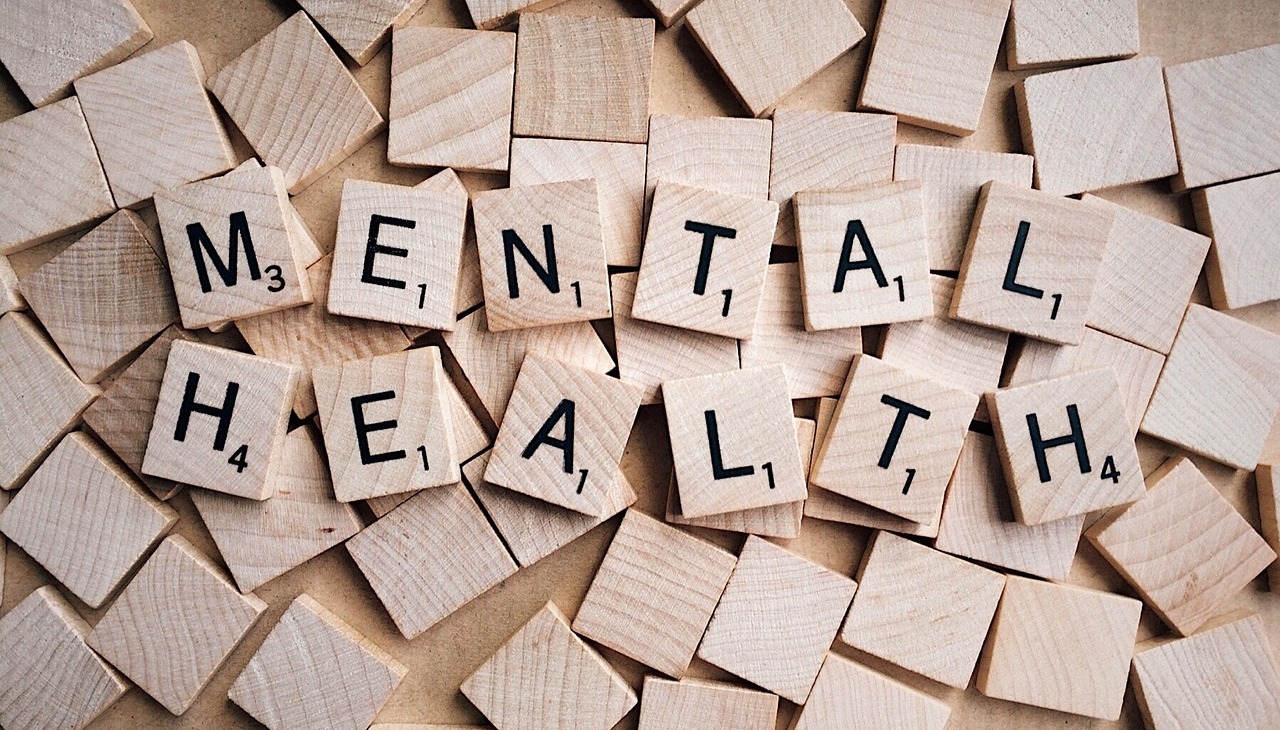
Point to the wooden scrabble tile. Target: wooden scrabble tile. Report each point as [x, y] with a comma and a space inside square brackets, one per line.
[315, 670]
[1066, 445]
[329, 109]
[850, 696]
[11, 299]
[361, 28]
[1186, 582]
[669, 12]
[668, 705]
[220, 421]
[654, 593]
[724, 154]
[456, 557]
[863, 255]
[260, 541]
[619, 171]
[175, 624]
[776, 619]
[1241, 217]
[103, 297]
[818, 150]
[470, 294]
[4, 544]
[1030, 245]
[40, 398]
[977, 521]
[1218, 394]
[51, 678]
[1047, 33]
[733, 441]
[259, 271]
[1269, 517]
[451, 94]
[939, 79]
[1097, 126]
[563, 435]
[921, 609]
[952, 180]
[583, 77]
[79, 491]
[1221, 109]
[51, 181]
[490, 14]
[153, 123]
[306, 249]
[894, 439]
[1224, 676]
[764, 51]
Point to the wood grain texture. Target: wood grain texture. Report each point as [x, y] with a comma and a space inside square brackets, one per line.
[1047, 33]
[1269, 518]
[669, 12]
[11, 299]
[309, 131]
[315, 670]
[359, 26]
[849, 696]
[1097, 126]
[667, 705]
[470, 289]
[490, 14]
[175, 624]
[1217, 395]
[4, 544]
[546, 678]
[1241, 217]
[724, 154]
[583, 77]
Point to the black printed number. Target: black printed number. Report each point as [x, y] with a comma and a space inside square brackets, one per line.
[582, 481]
[1109, 470]
[577, 293]
[276, 276]
[768, 470]
[911, 475]
[728, 297]
[426, 466]
[1057, 302]
[239, 458]
[422, 296]
[902, 291]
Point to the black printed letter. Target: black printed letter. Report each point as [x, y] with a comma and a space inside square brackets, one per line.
[1015, 260]
[372, 249]
[717, 460]
[228, 271]
[363, 429]
[905, 411]
[223, 414]
[549, 275]
[1075, 437]
[856, 231]
[565, 410]
[709, 233]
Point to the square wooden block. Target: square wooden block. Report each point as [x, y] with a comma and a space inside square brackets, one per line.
[724, 154]
[542, 254]
[361, 28]
[1066, 446]
[654, 593]
[1241, 217]
[153, 123]
[1032, 263]
[952, 180]
[1269, 517]
[1060, 647]
[315, 670]
[894, 439]
[705, 256]
[850, 696]
[864, 258]
[451, 98]
[667, 705]
[939, 79]
[1097, 126]
[1218, 394]
[308, 131]
[776, 619]
[221, 420]
[51, 678]
[546, 678]
[1049, 33]
[764, 50]
[733, 441]
[490, 14]
[921, 609]
[175, 624]
[583, 77]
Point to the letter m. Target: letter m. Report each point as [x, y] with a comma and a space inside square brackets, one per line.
[228, 269]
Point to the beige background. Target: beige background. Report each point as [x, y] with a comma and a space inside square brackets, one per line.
[684, 82]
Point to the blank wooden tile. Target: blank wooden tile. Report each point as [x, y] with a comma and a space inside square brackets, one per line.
[583, 77]
[470, 293]
[1217, 395]
[40, 398]
[51, 181]
[1066, 446]
[315, 670]
[1221, 109]
[1224, 676]
[654, 593]
[1269, 518]
[724, 154]
[543, 246]
[849, 696]
[863, 255]
[153, 123]
[175, 624]
[977, 521]
[921, 609]
[546, 678]
[776, 620]
[1097, 126]
[1047, 33]
[951, 180]
[11, 299]
[1241, 217]
[1032, 263]
[619, 171]
[328, 106]
[52, 679]
[361, 28]
[667, 705]
[451, 98]
[765, 50]
[220, 421]
[670, 12]
[490, 14]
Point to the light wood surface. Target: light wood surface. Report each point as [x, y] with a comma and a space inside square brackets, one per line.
[725, 154]
[490, 14]
[1269, 518]
[361, 28]
[849, 696]
[1239, 216]
[1049, 33]
[667, 705]
[11, 299]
